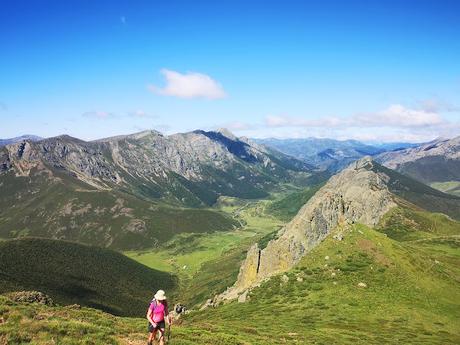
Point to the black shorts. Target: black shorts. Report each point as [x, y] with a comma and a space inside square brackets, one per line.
[159, 325]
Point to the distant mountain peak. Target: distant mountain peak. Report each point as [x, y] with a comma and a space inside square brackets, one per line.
[29, 137]
[227, 133]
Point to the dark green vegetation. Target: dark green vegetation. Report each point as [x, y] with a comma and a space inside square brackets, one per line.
[65, 208]
[74, 273]
[287, 207]
[420, 194]
[432, 169]
[411, 224]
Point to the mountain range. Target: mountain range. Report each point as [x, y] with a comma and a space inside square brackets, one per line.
[320, 251]
[136, 190]
[436, 163]
[329, 154]
[4, 142]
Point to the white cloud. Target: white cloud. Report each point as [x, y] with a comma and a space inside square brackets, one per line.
[395, 115]
[395, 123]
[189, 85]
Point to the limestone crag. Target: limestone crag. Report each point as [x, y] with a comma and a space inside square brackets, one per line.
[357, 194]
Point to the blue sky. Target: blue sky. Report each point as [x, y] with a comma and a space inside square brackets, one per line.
[369, 70]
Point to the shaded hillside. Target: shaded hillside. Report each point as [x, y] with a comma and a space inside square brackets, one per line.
[420, 194]
[73, 273]
[61, 207]
[436, 163]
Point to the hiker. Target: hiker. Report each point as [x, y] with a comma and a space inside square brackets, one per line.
[156, 314]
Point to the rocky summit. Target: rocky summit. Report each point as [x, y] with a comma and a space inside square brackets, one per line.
[358, 194]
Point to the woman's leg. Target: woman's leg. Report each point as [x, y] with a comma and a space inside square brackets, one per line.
[152, 336]
[162, 336]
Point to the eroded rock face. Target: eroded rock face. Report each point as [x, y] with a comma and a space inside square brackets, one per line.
[357, 194]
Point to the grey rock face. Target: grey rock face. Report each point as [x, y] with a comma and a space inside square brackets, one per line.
[197, 166]
[357, 194]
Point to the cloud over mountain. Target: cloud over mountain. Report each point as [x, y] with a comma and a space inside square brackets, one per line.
[188, 85]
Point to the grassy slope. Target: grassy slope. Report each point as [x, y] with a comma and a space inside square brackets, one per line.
[196, 259]
[420, 194]
[75, 273]
[412, 297]
[450, 187]
[67, 209]
[287, 207]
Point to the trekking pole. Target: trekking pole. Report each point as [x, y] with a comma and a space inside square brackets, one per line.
[169, 332]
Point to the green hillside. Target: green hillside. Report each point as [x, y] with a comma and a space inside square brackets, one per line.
[411, 297]
[423, 196]
[64, 208]
[450, 187]
[74, 273]
[287, 207]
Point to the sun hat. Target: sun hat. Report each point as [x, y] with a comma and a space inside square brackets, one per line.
[160, 295]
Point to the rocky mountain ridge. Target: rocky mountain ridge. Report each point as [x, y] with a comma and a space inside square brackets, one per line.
[357, 194]
[323, 153]
[436, 163]
[448, 148]
[4, 142]
[188, 168]
[134, 191]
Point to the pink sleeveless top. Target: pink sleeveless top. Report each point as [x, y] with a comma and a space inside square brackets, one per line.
[158, 310]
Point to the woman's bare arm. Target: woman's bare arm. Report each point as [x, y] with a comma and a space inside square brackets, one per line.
[149, 317]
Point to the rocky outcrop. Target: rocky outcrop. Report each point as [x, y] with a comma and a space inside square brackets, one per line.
[357, 194]
[30, 297]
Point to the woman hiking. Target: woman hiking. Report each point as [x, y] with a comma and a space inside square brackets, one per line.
[156, 314]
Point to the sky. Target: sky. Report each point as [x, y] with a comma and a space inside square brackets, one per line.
[366, 70]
